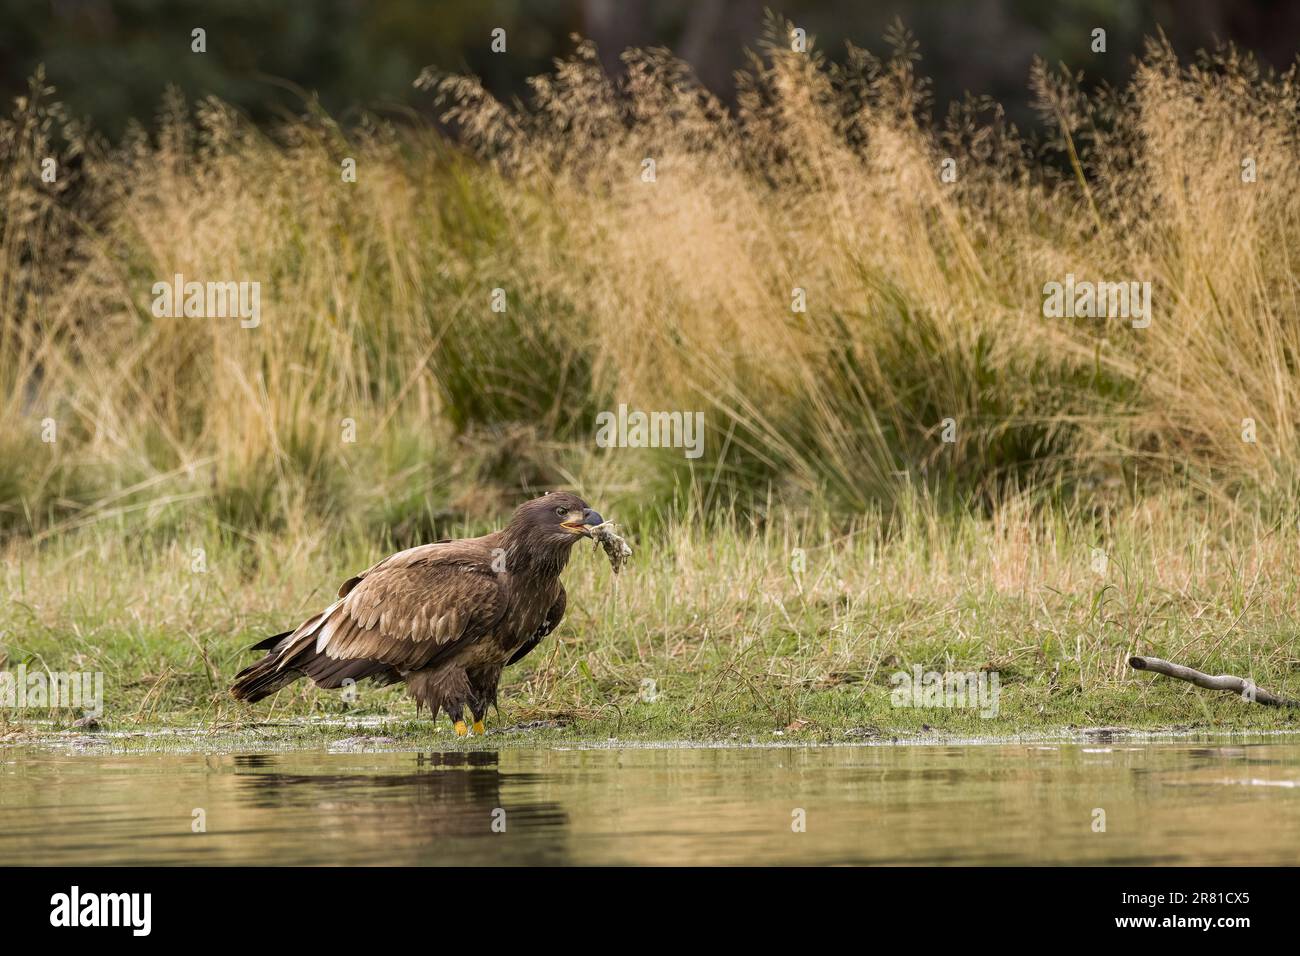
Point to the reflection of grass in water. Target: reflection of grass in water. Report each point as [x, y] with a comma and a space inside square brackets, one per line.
[734, 641]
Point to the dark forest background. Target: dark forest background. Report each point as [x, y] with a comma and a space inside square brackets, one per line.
[111, 59]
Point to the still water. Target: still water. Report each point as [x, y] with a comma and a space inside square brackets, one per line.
[1177, 802]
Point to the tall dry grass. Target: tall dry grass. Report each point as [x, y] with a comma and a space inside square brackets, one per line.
[924, 298]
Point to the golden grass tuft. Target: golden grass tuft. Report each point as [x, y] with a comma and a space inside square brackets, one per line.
[924, 297]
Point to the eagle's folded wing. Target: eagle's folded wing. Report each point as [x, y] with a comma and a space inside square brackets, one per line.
[552, 621]
[408, 608]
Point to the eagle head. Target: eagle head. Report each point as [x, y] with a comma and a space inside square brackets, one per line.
[558, 517]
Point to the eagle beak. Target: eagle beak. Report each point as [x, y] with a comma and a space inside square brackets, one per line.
[589, 520]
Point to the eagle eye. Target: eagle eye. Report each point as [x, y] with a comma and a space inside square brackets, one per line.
[561, 512]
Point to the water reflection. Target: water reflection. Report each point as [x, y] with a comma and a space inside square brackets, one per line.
[1202, 803]
[418, 813]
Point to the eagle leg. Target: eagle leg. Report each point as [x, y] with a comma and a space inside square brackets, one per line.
[444, 688]
[452, 688]
[483, 693]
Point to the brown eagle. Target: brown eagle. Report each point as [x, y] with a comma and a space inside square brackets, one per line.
[445, 618]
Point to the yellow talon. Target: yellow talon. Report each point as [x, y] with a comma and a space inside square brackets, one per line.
[478, 727]
[461, 729]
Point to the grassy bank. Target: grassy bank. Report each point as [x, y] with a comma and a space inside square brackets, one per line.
[712, 633]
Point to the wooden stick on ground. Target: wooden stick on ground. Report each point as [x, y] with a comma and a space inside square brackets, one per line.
[1241, 685]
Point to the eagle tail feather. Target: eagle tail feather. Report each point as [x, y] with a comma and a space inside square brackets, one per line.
[261, 680]
[284, 665]
[270, 642]
[331, 673]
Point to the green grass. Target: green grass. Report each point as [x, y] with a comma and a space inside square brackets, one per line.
[736, 644]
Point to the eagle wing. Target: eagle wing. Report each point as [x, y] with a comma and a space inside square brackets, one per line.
[552, 621]
[408, 609]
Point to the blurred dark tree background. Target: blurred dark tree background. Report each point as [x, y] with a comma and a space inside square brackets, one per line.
[111, 59]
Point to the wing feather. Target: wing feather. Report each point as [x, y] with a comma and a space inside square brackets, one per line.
[550, 623]
[412, 606]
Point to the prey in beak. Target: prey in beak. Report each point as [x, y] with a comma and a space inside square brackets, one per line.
[582, 523]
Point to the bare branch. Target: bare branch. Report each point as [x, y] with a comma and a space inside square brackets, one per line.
[1241, 685]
